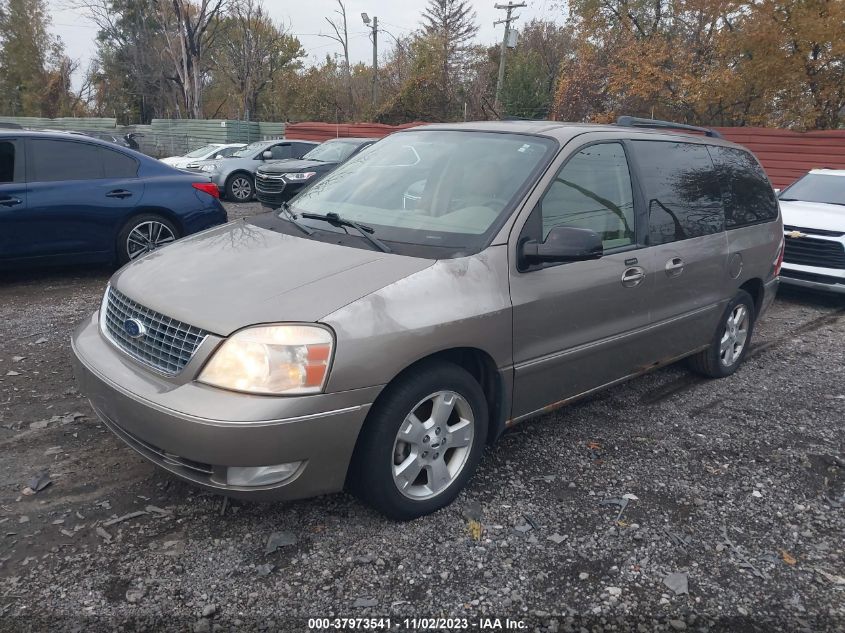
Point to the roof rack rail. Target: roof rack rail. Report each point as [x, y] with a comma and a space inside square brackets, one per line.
[632, 121]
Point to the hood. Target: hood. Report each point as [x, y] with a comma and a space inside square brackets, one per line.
[813, 215]
[177, 161]
[239, 274]
[289, 165]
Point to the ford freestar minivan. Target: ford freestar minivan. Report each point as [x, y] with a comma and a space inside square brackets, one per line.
[444, 284]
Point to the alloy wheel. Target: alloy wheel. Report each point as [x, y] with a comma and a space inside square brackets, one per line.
[241, 188]
[735, 336]
[433, 445]
[148, 236]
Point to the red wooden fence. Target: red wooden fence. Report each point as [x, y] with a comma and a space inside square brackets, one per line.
[785, 155]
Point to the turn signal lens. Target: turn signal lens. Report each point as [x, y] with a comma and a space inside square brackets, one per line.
[779, 260]
[272, 360]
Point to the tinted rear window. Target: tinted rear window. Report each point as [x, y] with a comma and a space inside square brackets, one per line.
[682, 193]
[118, 165]
[747, 194]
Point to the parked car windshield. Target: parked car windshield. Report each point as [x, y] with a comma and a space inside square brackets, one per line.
[251, 149]
[331, 151]
[447, 189]
[824, 188]
[202, 151]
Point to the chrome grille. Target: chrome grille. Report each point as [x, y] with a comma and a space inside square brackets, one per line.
[270, 184]
[167, 345]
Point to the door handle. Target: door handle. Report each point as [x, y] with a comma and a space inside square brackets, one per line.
[633, 277]
[10, 201]
[119, 193]
[674, 267]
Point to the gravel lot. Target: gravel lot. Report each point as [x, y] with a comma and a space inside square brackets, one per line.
[738, 493]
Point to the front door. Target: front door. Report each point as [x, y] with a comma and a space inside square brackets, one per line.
[580, 325]
[12, 195]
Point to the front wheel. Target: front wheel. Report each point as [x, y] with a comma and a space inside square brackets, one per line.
[421, 443]
[239, 188]
[731, 341]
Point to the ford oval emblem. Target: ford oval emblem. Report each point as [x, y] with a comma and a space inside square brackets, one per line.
[134, 328]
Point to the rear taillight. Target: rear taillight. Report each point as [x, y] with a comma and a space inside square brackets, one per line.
[779, 260]
[207, 187]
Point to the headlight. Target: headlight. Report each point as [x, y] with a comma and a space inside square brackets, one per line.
[272, 359]
[208, 168]
[299, 177]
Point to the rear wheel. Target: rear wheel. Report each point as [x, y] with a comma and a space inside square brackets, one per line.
[143, 234]
[240, 188]
[421, 443]
[731, 341]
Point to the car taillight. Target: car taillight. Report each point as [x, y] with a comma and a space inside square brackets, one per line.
[207, 187]
[779, 260]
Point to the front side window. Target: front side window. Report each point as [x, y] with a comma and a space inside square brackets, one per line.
[747, 193]
[824, 188]
[593, 191]
[7, 162]
[435, 189]
[682, 192]
[280, 151]
[55, 160]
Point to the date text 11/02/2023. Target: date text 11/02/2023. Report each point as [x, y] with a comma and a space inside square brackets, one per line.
[416, 624]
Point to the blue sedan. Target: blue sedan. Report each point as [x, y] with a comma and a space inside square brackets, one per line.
[68, 199]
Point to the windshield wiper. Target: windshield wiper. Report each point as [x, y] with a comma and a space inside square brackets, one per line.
[363, 229]
[292, 217]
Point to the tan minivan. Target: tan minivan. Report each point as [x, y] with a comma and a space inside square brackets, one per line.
[446, 283]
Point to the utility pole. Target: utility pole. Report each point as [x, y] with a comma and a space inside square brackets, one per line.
[509, 7]
[374, 29]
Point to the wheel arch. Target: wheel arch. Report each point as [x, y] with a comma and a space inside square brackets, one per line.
[755, 288]
[483, 368]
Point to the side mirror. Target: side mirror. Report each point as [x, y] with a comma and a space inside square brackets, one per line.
[218, 156]
[564, 244]
[267, 154]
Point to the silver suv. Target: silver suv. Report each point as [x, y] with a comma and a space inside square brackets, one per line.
[442, 286]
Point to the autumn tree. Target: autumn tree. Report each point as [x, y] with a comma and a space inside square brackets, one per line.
[34, 71]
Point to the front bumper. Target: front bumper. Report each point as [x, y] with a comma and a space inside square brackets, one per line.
[824, 279]
[169, 422]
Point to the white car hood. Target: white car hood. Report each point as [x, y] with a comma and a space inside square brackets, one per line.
[813, 215]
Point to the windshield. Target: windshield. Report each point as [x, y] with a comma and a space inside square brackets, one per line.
[250, 150]
[202, 151]
[332, 151]
[817, 188]
[446, 189]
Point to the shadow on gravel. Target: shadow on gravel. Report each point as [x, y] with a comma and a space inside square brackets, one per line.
[53, 275]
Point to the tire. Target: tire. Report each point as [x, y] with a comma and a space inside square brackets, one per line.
[714, 362]
[380, 451]
[240, 187]
[140, 229]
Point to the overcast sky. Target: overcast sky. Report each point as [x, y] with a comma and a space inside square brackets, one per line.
[306, 20]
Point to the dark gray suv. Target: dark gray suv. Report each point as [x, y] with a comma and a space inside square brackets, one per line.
[437, 288]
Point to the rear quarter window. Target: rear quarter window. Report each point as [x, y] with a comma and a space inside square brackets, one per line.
[682, 192]
[748, 196]
[118, 165]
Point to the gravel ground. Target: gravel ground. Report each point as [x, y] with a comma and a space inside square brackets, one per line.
[735, 499]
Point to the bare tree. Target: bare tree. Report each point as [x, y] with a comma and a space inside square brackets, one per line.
[189, 29]
[252, 50]
[341, 36]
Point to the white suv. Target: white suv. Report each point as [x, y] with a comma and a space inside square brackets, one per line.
[814, 226]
